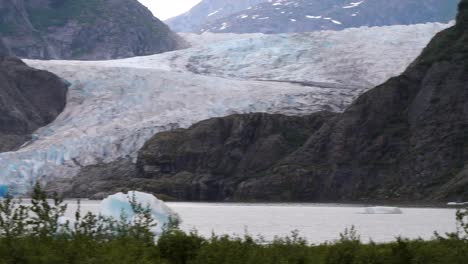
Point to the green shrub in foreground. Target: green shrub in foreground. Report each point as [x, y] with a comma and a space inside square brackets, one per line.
[36, 234]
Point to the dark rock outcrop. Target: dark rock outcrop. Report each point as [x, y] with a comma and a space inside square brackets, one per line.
[29, 99]
[99, 181]
[305, 15]
[82, 29]
[210, 160]
[405, 140]
[231, 147]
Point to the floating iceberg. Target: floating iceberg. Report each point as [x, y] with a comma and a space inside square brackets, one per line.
[457, 204]
[382, 210]
[119, 204]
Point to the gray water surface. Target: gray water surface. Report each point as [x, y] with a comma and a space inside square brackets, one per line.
[318, 223]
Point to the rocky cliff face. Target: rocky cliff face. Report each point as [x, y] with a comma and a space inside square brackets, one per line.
[280, 16]
[205, 162]
[404, 140]
[82, 29]
[208, 11]
[29, 99]
[211, 159]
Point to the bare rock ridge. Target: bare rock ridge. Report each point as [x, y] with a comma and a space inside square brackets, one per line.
[82, 29]
[29, 99]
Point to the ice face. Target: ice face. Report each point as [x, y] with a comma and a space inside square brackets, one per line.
[382, 210]
[113, 107]
[119, 204]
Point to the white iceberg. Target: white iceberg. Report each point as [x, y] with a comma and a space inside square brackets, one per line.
[457, 204]
[119, 204]
[382, 210]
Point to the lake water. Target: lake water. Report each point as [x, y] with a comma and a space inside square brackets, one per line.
[318, 223]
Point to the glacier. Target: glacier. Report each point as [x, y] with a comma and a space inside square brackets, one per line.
[359, 57]
[113, 107]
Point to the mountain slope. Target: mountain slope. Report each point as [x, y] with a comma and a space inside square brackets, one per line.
[208, 11]
[404, 140]
[29, 99]
[83, 29]
[280, 16]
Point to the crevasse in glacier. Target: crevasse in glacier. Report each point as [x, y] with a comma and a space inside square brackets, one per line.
[113, 107]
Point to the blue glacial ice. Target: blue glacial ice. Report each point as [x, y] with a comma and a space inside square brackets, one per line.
[119, 204]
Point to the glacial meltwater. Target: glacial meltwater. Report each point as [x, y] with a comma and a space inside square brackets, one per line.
[318, 223]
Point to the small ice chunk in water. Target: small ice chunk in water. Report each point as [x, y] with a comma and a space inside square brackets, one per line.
[382, 210]
[117, 204]
[457, 203]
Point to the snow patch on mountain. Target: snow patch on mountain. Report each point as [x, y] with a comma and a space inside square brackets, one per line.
[353, 4]
[286, 16]
[207, 11]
